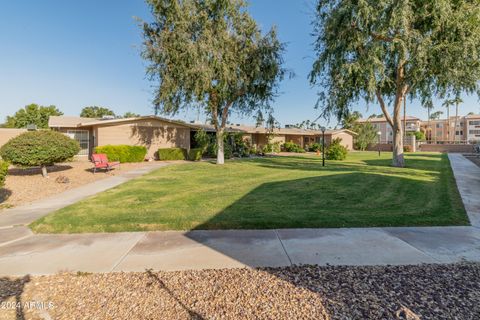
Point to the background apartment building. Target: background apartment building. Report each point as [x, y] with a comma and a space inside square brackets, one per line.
[411, 124]
[465, 130]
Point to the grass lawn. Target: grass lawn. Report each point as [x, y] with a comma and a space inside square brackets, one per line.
[277, 192]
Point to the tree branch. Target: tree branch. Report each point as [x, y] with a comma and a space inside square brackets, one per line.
[225, 113]
[384, 108]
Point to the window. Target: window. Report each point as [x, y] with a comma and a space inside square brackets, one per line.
[474, 123]
[82, 137]
[459, 133]
[439, 125]
[474, 132]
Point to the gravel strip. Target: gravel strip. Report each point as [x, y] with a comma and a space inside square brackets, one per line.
[24, 186]
[298, 292]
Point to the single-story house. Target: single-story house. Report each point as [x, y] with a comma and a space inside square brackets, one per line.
[149, 131]
[156, 132]
[259, 135]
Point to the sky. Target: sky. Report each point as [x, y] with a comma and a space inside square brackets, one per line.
[73, 54]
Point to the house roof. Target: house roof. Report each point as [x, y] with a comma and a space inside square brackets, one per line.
[383, 119]
[121, 120]
[286, 131]
[67, 121]
[77, 122]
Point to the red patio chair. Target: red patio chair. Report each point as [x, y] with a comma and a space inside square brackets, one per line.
[100, 161]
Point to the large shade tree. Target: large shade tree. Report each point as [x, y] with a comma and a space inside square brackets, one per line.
[388, 50]
[32, 114]
[96, 112]
[211, 55]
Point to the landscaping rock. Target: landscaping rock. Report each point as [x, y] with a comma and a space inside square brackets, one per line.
[297, 292]
[62, 179]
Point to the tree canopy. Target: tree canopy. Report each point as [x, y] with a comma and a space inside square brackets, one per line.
[388, 50]
[129, 114]
[366, 135]
[211, 55]
[348, 121]
[436, 115]
[96, 112]
[32, 114]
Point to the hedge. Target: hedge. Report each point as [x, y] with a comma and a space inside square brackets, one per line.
[172, 154]
[3, 172]
[195, 154]
[123, 153]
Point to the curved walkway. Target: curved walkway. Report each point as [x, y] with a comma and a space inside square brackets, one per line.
[22, 252]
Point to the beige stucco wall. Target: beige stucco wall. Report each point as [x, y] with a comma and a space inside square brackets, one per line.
[153, 134]
[347, 139]
[7, 134]
[278, 138]
[297, 139]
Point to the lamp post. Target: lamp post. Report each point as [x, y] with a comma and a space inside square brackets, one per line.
[379, 134]
[323, 145]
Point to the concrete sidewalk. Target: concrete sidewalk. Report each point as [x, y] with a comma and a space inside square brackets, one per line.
[467, 176]
[21, 252]
[171, 250]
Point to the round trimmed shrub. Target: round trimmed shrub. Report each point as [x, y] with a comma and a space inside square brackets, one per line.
[39, 148]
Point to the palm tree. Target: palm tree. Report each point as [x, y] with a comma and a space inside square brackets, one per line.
[456, 101]
[447, 103]
[429, 106]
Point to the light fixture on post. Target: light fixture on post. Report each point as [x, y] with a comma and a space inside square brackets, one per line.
[323, 145]
[379, 134]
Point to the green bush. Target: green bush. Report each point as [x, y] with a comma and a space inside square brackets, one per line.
[195, 154]
[336, 151]
[419, 135]
[202, 139]
[39, 148]
[314, 147]
[272, 147]
[292, 147]
[172, 154]
[123, 153]
[3, 172]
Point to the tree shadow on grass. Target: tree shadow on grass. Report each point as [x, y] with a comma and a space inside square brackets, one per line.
[346, 199]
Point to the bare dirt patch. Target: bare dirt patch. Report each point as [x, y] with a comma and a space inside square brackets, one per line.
[298, 292]
[23, 186]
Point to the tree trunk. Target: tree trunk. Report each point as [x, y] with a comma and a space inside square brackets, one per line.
[397, 159]
[398, 134]
[44, 171]
[220, 147]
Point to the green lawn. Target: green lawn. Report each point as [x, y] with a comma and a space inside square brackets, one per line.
[279, 192]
